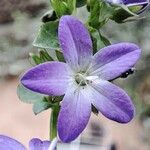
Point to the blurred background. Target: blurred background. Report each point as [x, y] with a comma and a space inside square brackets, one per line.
[19, 23]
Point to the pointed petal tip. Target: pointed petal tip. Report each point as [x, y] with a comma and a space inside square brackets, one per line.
[133, 47]
[129, 45]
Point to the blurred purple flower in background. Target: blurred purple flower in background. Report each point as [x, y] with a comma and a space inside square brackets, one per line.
[142, 3]
[7, 143]
[84, 79]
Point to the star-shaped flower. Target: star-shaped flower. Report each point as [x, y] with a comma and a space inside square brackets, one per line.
[84, 79]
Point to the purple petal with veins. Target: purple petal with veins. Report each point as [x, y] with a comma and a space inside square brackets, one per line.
[111, 101]
[50, 78]
[111, 61]
[74, 114]
[75, 42]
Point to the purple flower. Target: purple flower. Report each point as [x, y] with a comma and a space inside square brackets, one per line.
[84, 79]
[142, 3]
[7, 143]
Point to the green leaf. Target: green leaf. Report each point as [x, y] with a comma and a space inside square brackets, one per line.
[28, 96]
[40, 102]
[80, 3]
[106, 11]
[40, 106]
[100, 13]
[71, 4]
[60, 56]
[94, 14]
[47, 36]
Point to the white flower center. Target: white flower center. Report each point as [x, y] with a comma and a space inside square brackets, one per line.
[83, 79]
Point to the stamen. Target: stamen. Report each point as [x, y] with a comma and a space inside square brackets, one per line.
[80, 79]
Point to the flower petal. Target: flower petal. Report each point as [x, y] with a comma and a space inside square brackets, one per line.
[127, 2]
[7, 143]
[111, 101]
[75, 42]
[111, 61]
[49, 78]
[37, 144]
[74, 114]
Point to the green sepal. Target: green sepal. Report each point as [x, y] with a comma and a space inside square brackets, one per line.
[105, 41]
[135, 9]
[134, 18]
[60, 56]
[44, 56]
[122, 13]
[34, 59]
[47, 36]
[94, 7]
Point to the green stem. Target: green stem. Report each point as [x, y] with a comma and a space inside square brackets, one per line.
[53, 122]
